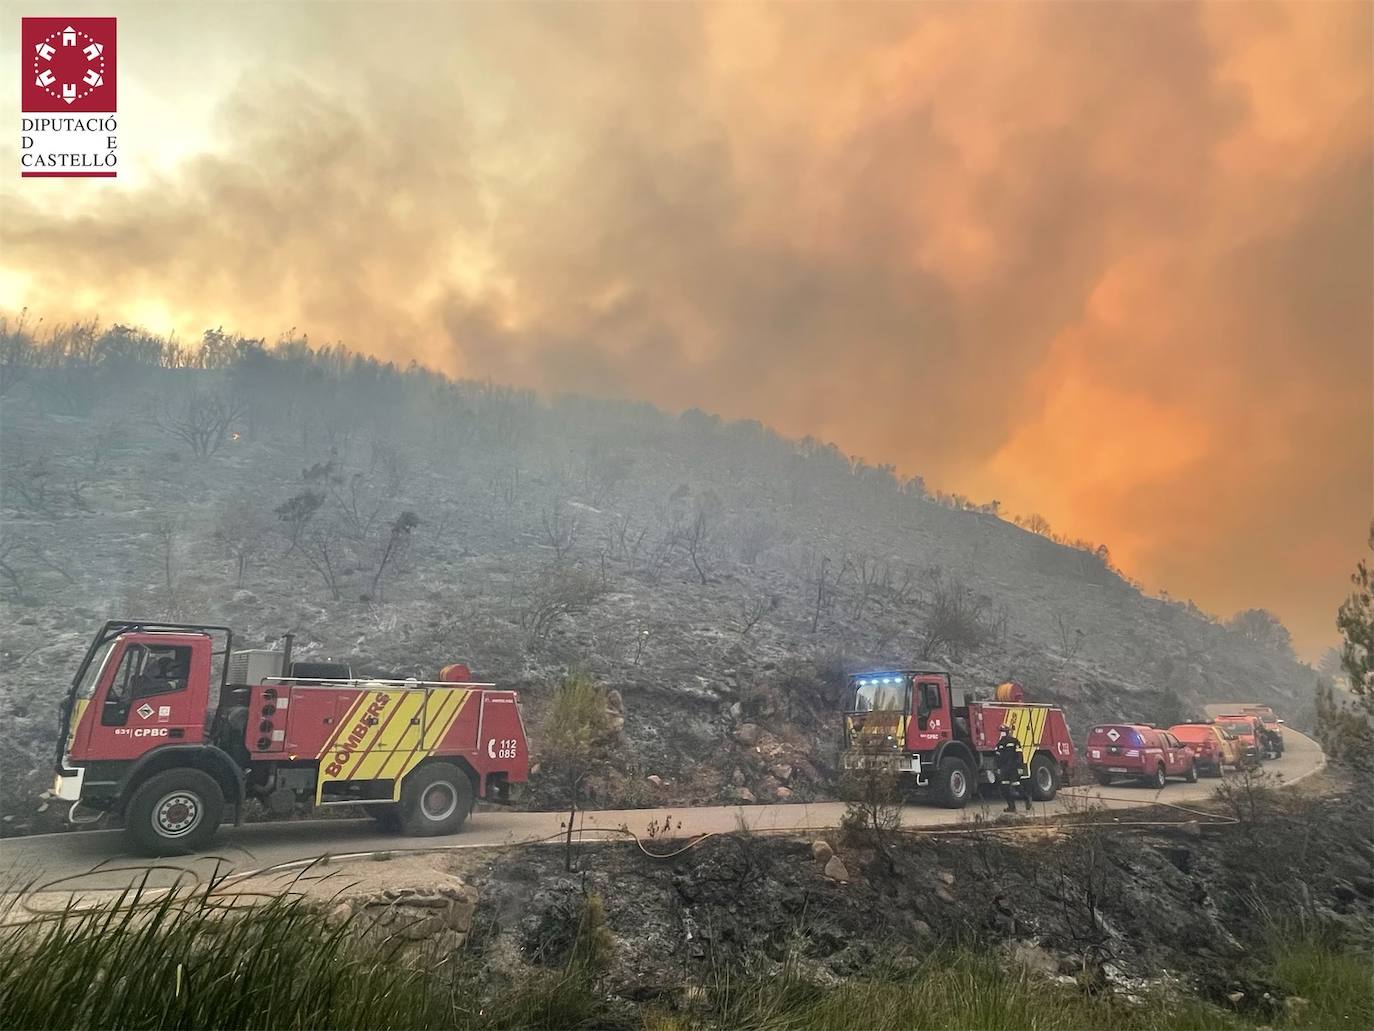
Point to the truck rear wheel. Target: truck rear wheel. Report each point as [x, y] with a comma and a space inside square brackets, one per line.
[174, 813]
[1158, 779]
[1105, 779]
[1044, 777]
[435, 799]
[953, 785]
[1191, 775]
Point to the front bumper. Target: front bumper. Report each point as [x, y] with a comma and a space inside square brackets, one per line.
[67, 787]
[867, 761]
[1121, 767]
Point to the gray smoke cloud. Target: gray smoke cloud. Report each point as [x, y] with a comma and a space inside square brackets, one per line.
[1107, 262]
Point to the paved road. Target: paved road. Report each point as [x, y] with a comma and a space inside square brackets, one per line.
[255, 846]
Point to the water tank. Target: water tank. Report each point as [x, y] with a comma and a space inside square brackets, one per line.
[1011, 691]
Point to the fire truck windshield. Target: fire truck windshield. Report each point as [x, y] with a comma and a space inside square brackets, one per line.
[880, 694]
[93, 670]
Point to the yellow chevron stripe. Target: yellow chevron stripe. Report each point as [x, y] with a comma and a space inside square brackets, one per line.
[442, 726]
[78, 710]
[447, 712]
[437, 704]
[386, 738]
[341, 728]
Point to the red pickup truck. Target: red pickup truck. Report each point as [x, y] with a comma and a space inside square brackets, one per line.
[1140, 753]
[1208, 743]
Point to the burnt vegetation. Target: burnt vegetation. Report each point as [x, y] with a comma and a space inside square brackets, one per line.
[399, 520]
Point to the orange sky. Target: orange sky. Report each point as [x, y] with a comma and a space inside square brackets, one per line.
[1108, 262]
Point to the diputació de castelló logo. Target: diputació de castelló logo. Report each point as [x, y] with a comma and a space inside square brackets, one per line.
[69, 111]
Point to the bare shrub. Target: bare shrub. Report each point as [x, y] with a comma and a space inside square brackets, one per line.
[560, 529]
[577, 742]
[958, 621]
[242, 534]
[1250, 797]
[873, 804]
[202, 420]
[21, 560]
[753, 609]
[395, 546]
[558, 592]
[694, 540]
[295, 514]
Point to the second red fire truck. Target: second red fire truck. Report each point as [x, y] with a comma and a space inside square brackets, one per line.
[934, 736]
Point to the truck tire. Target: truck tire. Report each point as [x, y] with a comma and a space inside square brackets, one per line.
[1044, 778]
[1105, 779]
[1159, 779]
[174, 812]
[953, 783]
[1191, 775]
[1215, 769]
[435, 799]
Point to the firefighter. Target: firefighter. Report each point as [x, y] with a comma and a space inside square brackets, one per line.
[1011, 775]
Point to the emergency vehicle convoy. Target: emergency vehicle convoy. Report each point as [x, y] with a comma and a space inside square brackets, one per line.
[167, 726]
[149, 732]
[916, 722]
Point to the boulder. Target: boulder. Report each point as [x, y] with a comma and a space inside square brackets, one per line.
[781, 771]
[655, 780]
[1033, 959]
[821, 851]
[835, 869]
[745, 795]
[747, 734]
[782, 794]
[442, 913]
[946, 878]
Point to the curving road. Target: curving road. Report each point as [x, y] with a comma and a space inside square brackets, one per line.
[45, 858]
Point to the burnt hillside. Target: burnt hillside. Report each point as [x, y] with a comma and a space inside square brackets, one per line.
[720, 577]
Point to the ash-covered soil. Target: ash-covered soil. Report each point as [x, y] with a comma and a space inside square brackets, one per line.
[1105, 905]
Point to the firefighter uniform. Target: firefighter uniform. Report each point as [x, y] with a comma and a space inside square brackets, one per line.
[1011, 774]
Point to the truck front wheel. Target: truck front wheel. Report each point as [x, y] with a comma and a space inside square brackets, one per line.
[1044, 776]
[953, 785]
[174, 813]
[435, 799]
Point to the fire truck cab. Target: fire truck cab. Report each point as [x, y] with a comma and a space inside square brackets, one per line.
[916, 722]
[166, 726]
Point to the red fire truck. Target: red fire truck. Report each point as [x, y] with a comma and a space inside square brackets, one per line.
[152, 733]
[916, 722]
